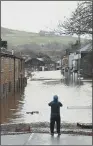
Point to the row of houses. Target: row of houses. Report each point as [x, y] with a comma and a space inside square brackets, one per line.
[12, 73]
[75, 62]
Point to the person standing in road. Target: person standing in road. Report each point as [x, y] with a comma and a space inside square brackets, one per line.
[55, 114]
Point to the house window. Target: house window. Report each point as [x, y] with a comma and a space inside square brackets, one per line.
[17, 86]
[20, 65]
[9, 87]
[16, 66]
[3, 88]
[10, 64]
[2, 64]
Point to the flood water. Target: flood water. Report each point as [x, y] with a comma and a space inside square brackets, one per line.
[39, 92]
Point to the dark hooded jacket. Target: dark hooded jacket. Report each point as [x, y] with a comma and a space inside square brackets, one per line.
[55, 106]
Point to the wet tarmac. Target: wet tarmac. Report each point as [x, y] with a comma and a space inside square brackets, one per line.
[45, 139]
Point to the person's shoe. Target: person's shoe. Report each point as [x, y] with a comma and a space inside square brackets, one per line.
[59, 134]
[52, 134]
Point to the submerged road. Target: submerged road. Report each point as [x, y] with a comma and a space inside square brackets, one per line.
[39, 92]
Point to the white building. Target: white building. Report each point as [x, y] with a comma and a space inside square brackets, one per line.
[73, 59]
[70, 60]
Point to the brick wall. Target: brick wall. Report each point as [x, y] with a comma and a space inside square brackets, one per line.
[7, 75]
[11, 72]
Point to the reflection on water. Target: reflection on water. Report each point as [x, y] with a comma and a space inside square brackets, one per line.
[36, 96]
[65, 82]
[9, 106]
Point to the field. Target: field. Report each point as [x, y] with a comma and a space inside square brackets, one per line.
[15, 38]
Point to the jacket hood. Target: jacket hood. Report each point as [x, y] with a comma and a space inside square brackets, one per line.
[55, 98]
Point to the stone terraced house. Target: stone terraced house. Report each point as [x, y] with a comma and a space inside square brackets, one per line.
[12, 73]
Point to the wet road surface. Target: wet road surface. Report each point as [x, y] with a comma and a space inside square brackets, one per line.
[45, 139]
[40, 91]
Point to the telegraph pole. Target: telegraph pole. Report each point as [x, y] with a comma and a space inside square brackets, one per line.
[79, 32]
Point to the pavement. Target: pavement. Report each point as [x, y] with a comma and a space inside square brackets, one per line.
[45, 139]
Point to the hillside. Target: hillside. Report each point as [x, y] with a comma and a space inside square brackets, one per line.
[50, 45]
[15, 37]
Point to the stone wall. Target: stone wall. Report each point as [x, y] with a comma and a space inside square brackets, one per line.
[12, 74]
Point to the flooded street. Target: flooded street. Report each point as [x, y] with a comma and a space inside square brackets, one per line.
[39, 92]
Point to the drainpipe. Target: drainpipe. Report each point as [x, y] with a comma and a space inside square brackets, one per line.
[79, 39]
[14, 74]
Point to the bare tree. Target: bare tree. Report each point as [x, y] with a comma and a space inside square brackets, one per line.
[80, 21]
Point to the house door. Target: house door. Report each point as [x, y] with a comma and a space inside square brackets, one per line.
[6, 90]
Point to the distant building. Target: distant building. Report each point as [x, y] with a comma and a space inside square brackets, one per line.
[58, 64]
[79, 61]
[34, 64]
[39, 64]
[65, 61]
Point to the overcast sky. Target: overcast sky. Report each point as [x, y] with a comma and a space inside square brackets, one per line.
[34, 16]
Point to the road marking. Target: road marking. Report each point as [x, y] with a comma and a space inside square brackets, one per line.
[30, 137]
